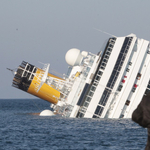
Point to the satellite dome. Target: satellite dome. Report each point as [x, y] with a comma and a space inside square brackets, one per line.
[73, 57]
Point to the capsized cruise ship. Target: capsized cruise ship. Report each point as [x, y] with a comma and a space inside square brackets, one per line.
[109, 84]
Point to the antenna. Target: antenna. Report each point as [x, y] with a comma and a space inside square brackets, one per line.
[41, 63]
[56, 73]
[105, 32]
[12, 70]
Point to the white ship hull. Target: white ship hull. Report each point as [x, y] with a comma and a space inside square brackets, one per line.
[107, 85]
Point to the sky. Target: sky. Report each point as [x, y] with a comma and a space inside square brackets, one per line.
[44, 30]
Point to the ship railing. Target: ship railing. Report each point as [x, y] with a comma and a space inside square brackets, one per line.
[25, 72]
[63, 86]
[38, 80]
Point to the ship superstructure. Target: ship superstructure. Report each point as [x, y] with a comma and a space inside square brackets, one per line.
[109, 84]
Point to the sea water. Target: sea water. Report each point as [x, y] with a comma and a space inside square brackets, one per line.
[22, 129]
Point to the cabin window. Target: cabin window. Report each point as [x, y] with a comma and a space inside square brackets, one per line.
[127, 103]
[102, 67]
[94, 116]
[88, 99]
[133, 89]
[100, 72]
[138, 76]
[130, 63]
[98, 77]
[93, 88]
[148, 52]
[91, 93]
[99, 110]
[127, 69]
[109, 49]
[86, 104]
[120, 87]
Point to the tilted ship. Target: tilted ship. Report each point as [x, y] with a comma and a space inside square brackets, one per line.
[109, 84]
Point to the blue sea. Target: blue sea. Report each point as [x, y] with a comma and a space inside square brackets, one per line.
[22, 129]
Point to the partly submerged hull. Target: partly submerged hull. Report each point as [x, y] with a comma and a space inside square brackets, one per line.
[107, 85]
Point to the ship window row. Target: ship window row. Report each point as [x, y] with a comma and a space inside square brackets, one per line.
[105, 97]
[95, 116]
[113, 79]
[96, 79]
[86, 104]
[121, 57]
[120, 87]
[126, 44]
[91, 92]
[128, 40]
[119, 63]
[83, 109]
[107, 54]
[89, 96]
[116, 71]
[99, 110]
[80, 115]
[112, 82]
